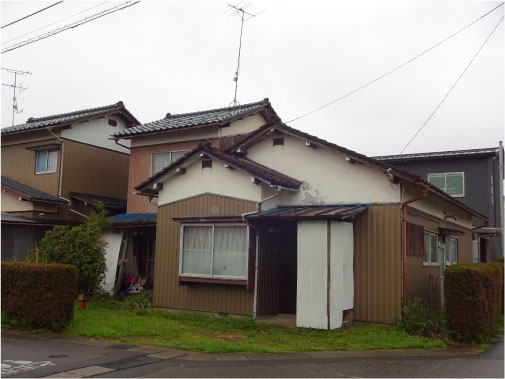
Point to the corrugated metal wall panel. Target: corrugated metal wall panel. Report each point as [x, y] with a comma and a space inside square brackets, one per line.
[377, 264]
[168, 293]
[94, 170]
[18, 163]
[424, 281]
[311, 290]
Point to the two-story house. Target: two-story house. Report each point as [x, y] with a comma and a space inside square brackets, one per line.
[154, 146]
[473, 177]
[56, 168]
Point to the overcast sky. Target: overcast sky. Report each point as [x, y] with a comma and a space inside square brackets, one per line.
[180, 56]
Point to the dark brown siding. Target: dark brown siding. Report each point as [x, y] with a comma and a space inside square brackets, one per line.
[424, 281]
[377, 264]
[93, 170]
[168, 293]
[18, 163]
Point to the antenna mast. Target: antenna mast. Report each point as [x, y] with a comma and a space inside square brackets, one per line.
[14, 87]
[242, 13]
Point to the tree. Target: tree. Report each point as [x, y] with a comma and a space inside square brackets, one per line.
[82, 246]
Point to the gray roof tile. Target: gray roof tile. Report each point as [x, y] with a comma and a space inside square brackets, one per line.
[28, 192]
[440, 154]
[67, 118]
[208, 117]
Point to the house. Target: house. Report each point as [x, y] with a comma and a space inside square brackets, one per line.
[55, 169]
[473, 177]
[285, 222]
[155, 145]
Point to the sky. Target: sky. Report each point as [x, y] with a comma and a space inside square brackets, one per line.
[181, 56]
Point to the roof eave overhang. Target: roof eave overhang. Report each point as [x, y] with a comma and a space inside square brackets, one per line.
[172, 130]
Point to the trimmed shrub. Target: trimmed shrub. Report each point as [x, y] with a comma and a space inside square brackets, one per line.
[39, 295]
[421, 320]
[473, 299]
[82, 246]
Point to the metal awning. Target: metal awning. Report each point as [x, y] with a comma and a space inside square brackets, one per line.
[301, 212]
[487, 231]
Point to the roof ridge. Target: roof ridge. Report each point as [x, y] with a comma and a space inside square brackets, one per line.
[265, 101]
[480, 149]
[46, 118]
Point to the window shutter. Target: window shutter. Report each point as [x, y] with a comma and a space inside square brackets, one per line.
[415, 240]
[252, 260]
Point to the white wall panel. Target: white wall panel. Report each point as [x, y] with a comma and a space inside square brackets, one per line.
[342, 282]
[97, 133]
[113, 240]
[311, 287]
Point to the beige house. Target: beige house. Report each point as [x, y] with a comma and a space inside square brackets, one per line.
[284, 222]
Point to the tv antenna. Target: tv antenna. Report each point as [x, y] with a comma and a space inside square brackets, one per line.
[240, 10]
[15, 86]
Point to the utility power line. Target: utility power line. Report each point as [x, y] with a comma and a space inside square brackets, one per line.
[34, 13]
[396, 68]
[72, 25]
[62, 19]
[452, 87]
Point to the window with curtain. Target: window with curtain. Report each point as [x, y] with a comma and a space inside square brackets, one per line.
[430, 249]
[451, 250]
[214, 251]
[45, 161]
[162, 160]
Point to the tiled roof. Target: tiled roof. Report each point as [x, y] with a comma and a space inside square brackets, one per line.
[128, 219]
[440, 154]
[108, 202]
[209, 117]
[339, 211]
[34, 123]
[261, 172]
[29, 193]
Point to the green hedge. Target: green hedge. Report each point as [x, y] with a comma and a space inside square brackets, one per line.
[473, 299]
[39, 295]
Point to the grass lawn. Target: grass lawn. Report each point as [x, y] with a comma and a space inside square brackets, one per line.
[134, 322]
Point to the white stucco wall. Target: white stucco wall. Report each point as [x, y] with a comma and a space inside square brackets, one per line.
[97, 133]
[217, 180]
[327, 177]
[244, 126]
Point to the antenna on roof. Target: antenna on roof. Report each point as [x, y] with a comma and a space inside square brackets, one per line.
[14, 86]
[239, 10]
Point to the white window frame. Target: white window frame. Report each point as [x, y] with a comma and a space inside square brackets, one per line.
[447, 263]
[212, 276]
[445, 179]
[437, 263]
[48, 151]
[166, 152]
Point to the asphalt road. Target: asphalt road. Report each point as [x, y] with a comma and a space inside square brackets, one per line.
[42, 356]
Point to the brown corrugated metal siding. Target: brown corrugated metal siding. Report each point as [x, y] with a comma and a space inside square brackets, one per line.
[424, 281]
[18, 163]
[168, 293]
[377, 264]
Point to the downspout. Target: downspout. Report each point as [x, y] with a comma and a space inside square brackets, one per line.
[500, 196]
[120, 144]
[258, 209]
[61, 174]
[424, 192]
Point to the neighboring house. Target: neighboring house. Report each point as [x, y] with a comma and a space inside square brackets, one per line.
[284, 222]
[55, 169]
[473, 177]
[154, 146]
